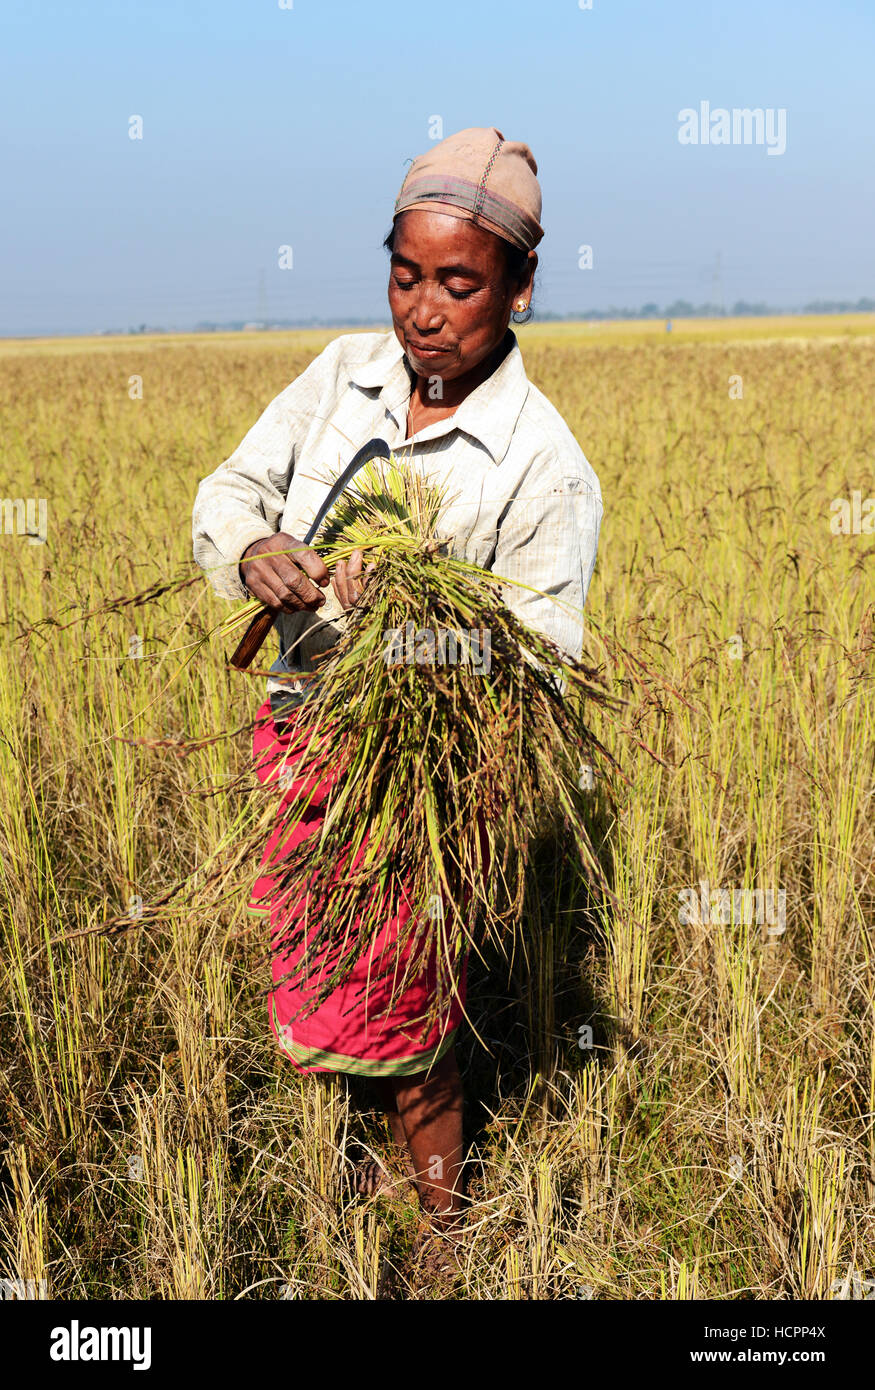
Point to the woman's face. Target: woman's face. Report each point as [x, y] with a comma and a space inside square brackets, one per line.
[448, 294]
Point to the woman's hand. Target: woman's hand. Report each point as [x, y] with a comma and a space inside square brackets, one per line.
[284, 582]
[348, 580]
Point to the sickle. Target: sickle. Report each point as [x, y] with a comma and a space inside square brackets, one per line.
[253, 638]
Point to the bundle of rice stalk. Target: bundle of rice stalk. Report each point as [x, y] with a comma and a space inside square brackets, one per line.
[448, 727]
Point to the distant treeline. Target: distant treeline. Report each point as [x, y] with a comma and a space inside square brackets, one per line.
[683, 309]
[680, 309]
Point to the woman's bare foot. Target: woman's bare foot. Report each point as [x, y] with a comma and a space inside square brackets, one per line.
[435, 1265]
[373, 1177]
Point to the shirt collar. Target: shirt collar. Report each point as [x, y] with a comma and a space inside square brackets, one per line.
[489, 413]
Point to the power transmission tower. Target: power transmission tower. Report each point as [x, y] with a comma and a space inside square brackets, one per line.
[717, 285]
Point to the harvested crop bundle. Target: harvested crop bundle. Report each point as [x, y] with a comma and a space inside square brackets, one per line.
[443, 725]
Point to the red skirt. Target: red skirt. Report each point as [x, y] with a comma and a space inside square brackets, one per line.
[353, 1029]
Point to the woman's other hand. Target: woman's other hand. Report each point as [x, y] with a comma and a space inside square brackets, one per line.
[284, 574]
[348, 580]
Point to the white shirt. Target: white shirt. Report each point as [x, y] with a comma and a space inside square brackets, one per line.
[522, 499]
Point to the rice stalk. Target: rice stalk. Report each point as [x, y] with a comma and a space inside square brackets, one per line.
[441, 767]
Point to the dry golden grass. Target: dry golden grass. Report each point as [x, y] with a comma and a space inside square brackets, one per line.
[717, 1139]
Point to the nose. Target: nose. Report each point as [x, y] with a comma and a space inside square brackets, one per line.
[427, 313]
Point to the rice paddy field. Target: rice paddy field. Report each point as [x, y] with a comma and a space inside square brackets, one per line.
[674, 1097]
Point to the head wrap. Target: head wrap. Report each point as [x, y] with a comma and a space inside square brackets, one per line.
[478, 175]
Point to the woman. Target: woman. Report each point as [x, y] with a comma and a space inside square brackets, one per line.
[447, 390]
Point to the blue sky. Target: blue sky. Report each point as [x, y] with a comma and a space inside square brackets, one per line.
[265, 127]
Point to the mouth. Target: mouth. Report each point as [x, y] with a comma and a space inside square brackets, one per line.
[427, 349]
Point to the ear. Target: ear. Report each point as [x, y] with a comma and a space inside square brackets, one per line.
[524, 286]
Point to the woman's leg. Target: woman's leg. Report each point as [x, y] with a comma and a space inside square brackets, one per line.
[372, 1176]
[386, 1094]
[429, 1106]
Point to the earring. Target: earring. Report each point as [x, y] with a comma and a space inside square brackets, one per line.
[521, 306]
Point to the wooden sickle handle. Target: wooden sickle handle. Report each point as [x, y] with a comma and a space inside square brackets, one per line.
[252, 639]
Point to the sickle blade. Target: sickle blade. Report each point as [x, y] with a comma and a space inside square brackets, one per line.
[254, 636]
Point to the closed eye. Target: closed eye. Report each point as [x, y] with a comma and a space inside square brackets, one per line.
[455, 294]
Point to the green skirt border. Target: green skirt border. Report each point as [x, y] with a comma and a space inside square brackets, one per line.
[359, 1066]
